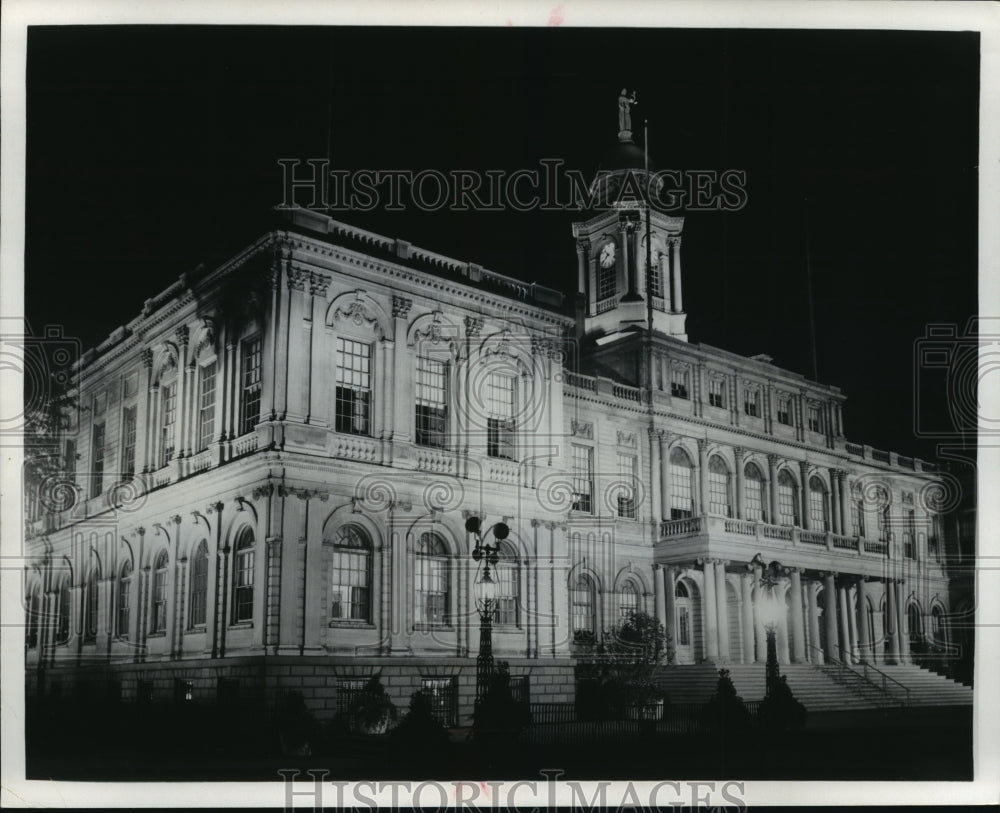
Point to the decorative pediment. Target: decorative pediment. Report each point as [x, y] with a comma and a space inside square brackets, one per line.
[582, 429]
[434, 330]
[626, 438]
[359, 309]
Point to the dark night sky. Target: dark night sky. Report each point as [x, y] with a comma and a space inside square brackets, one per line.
[152, 149]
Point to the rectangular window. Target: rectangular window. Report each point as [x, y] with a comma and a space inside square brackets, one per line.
[583, 479]
[128, 443]
[199, 590]
[354, 383]
[206, 406]
[443, 697]
[432, 590]
[655, 283]
[124, 597]
[626, 495]
[606, 282]
[432, 403]
[507, 576]
[910, 535]
[252, 384]
[160, 601]
[681, 493]
[679, 382]
[684, 626]
[243, 591]
[717, 392]
[883, 524]
[858, 517]
[751, 402]
[814, 421]
[348, 692]
[169, 398]
[785, 411]
[97, 461]
[500, 394]
[70, 459]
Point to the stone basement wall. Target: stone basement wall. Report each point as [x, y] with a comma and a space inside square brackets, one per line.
[265, 680]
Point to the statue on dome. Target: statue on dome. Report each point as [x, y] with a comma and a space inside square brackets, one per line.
[624, 114]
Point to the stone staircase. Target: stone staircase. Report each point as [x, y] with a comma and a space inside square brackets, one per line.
[818, 688]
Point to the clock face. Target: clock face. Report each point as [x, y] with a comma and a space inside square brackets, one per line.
[608, 255]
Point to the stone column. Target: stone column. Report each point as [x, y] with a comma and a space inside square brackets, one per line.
[581, 269]
[740, 489]
[180, 395]
[665, 475]
[902, 622]
[708, 607]
[830, 615]
[144, 416]
[702, 476]
[656, 508]
[804, 494]
[816, 652]
[845, 634]
[669, 575]
[675, 251]
[890, 621]
[746, 587]
[664, 263]
[658, 598]
[845, 503]
[835, 502]
[798, 622]
[761, 636]
[852, 628]
[772, 474]
[722, 609]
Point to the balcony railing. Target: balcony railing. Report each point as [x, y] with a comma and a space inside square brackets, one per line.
[813, 537]
[677, 527]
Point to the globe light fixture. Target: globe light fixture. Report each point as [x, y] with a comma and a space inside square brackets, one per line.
[486, 595]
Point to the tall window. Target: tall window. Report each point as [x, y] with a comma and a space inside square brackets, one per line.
[679, 381]
[350, 576]
[751, 402]
[97, 460]
[508, 577]
[206, 405]
[62, 630]
[124, 600]
[719, 500]
[717, 392]
[199, 586]
[655, 283]
[784, 410]
[753, 493]
[628, 602]
[252, 385]
[583, 479]
[432, 574]
[684, 626]
[814, 420]
[70, 459]
[128, 442]
[160, 593]
[681, 495]
[858, 516]
[432, 402]
[169, 401]
[626, 496]
[910, 535]
[882, 516]
[354, 382]
[819, 507]
[583, 605]
[92, 608]
[243, 577]
[500, 393]
[935, 540]
[788, 499]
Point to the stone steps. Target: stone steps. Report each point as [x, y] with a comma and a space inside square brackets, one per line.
[928, 688]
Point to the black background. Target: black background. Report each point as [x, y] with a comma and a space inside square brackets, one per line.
[151, 149]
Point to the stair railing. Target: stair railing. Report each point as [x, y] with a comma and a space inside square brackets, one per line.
[881, 683]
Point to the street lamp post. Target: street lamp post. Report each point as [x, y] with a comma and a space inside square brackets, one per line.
[770, 607]
[486, 593]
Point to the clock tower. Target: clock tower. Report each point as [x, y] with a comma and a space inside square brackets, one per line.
[629, 259]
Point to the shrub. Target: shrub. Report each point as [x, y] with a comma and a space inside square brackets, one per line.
[725, 712]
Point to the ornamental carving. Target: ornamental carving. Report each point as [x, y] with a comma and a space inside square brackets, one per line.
[626, 438]
[401, 306]
[473, 324]
[182, 335]
[582, 429]
[298, 279]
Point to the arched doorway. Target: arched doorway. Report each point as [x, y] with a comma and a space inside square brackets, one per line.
[687, 623]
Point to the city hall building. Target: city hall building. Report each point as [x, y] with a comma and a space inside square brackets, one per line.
[267, 478]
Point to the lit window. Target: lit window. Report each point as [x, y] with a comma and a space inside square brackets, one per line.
[583, 478]
[124, 600]
[751, 402]
[206, 406]
[719, 501]
[252, 385]
[507, 572]
[681, 495]
[500, 393]
[813, 417]
[350, 581]
[169, 415]
[583, 605]
[717, 392]
[354, 381]
[679, 382]
[754, 493]
[626, 495]
[432, 575]
[128, 443]
[160, 593]
[93, 602]
[628, 602]
[199, 586]
[819, 508]
[243, 562]
[432, 402]
[97, 461]
[785, 410]
[788, 499]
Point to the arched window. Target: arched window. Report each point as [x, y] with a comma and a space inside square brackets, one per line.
[350, 576]
[92, 606]
[681, 591]
[243, 552]
[938, 635]
[915, 626]
[753, 493]
[882, 516]
[719, 501]
[508, 578]
[681, 496]
[788, 499]
[628, 602]
[819, 506]
[683, 611]
[583, 605]
[62, 631]
[160, 592]
[124, 600]
[432, 577]
[198, 603]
